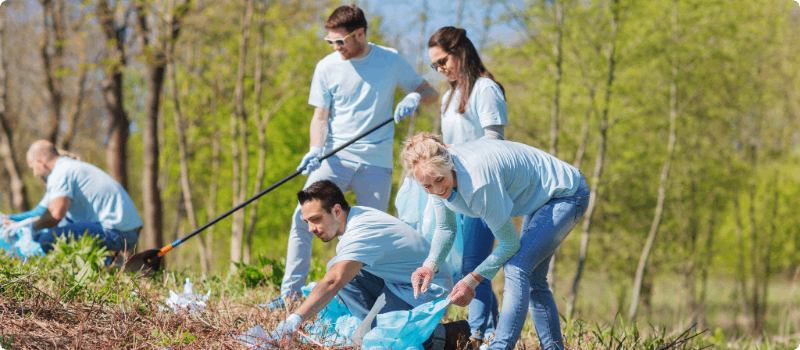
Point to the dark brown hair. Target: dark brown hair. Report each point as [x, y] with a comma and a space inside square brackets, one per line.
[454, 42]
[326, 192]
[349, 17]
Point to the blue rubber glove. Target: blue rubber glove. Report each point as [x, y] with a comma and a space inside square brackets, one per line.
[287, 327]
[407, 106]
[311, 160]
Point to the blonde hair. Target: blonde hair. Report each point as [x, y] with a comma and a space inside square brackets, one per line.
[426, 154]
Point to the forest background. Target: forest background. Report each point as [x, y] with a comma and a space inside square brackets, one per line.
[683, 115]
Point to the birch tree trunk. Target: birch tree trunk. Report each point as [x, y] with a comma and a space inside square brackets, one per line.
[239, 136]
[587, 117]
[186, 189]
[554, 112]
[262, 137]
[664, 179]
[19, 193]
[599, 162]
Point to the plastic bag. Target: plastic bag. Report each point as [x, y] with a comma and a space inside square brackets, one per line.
[405, 329]
[334, 325]
[17, 240]
[188, 301]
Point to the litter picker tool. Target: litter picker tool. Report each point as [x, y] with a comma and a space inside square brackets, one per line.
[149, 261]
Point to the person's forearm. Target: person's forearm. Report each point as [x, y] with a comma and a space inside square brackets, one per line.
[494, 132]
[320, 297]
[428, 94]
[38, 211]
[319, 127]
[507, 246]
[45, 221]
[444, 235]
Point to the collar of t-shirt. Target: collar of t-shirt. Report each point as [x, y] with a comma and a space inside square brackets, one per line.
[452, 194]
[365, 59]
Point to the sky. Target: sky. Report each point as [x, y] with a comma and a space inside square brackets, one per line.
[401, 22]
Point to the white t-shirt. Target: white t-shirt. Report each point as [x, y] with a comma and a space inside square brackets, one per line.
[95, 196]
[486, 106]
[390, 250]
[360, 94]
[502, 179]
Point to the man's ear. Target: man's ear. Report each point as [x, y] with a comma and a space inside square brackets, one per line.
[336, 210]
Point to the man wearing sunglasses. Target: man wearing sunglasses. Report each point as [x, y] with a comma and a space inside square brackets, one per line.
[352, 91]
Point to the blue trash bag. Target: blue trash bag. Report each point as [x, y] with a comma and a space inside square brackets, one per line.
[334, 325]
[18, 242]
[415, 208]
[403, 330]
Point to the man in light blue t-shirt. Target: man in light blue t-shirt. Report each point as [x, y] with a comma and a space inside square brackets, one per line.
[89, 199]
[352, 91]
[375, 256]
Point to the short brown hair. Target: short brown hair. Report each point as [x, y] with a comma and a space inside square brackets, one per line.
[349, 17]
[326, 192]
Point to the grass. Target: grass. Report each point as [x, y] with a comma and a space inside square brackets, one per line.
[70, 300]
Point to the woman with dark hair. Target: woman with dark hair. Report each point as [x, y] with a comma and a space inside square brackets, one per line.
[474, 108]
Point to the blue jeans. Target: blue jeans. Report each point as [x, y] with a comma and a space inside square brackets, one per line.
[478, 244]
[372, 186]
[360, 294]
[526, 273]
[112, 240]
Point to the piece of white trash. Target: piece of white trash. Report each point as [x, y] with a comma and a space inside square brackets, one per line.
[254, 338]
[188, 301]
[366, 325]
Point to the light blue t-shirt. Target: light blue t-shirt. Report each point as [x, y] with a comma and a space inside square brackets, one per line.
[502, 179]
[391, 250]
[360, 95]
[486, 106]
[96, 197]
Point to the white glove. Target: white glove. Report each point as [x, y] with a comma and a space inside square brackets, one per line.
[10, 233]
[311, 160]
[287, 327]
[407, 106]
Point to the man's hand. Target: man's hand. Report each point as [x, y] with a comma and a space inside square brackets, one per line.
[11, 230]
[311, 160]
[407, 106]
[421, 279]
[287, 327]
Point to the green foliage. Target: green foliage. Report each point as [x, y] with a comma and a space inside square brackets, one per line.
[269, 271]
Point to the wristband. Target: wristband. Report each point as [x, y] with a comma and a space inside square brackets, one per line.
[431, 265]
[470, 281]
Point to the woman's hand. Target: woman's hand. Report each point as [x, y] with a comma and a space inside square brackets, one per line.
[464, 290]
[421, 279]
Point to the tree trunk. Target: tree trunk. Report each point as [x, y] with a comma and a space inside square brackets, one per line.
[211, 204]
[239, 135]
[186, 188]
[599, 162]
[584, 130]
[66, 139]
[741, 276]
[598, 167]
[156, 68]
[52, 54]
[19, 193]
[116, 153]
[663, 182]
[262, 129]
[554, 113]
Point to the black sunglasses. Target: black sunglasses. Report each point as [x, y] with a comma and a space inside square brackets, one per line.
[440, 63]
